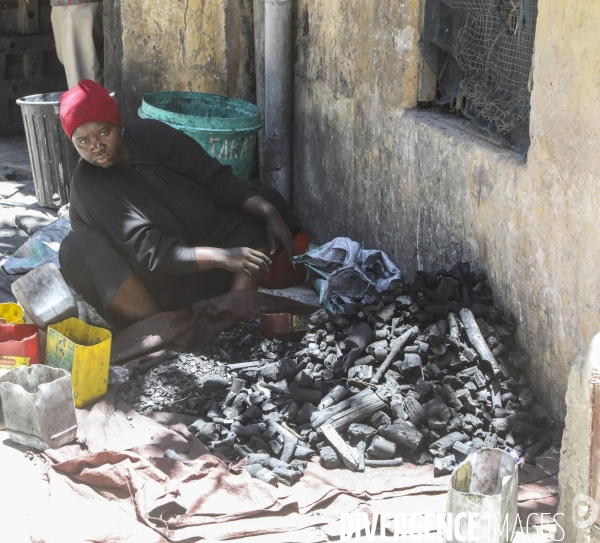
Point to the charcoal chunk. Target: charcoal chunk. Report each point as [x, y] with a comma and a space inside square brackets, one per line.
[433, 370]
[360, 373]
[397, 406]
[518, 360]
[379, 419]
[527, 397]
[411, 362]
[461, 451]
[253, 469]
[365, 360]
[275, 446]
[360, 432]
[215, 383]
[473, 421]
[381, 448]
[424, 458]
[278, 370]
[257, 445]
[402, 433]
[305, 412]
[477, 444]
[414, 410]
[453, 382]
[307, 394]
[445, 444]
[540, 417]
[267, 476]
[444, 466]
[424, 389]
[303, 453]
[455, 425]
[437, 413]
[521, 428]
[304, 379]
[287, 476]
[329, 458]
[450, 397]
[491, 441]
[501, 426]
[447, 288]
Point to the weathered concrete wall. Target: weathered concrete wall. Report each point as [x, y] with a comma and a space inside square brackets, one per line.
[578, 467]
[184, 45]
[113, 47]
[429, 192]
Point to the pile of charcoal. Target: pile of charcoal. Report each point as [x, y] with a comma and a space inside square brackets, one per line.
[428, 372]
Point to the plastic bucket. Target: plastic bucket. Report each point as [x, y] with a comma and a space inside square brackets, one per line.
[19, 345]
[226, 127]
[45, 296]
[53, 156]
[483, 492]
[37, 407]
[84, 351]
[281, 273]
[11, 313]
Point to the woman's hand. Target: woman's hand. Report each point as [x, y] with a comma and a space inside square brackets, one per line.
[278, 233]
[244, 260]
[276, 229]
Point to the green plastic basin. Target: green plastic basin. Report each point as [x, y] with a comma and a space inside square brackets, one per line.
[226, 127]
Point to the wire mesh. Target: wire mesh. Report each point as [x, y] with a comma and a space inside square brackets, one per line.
[495, 52]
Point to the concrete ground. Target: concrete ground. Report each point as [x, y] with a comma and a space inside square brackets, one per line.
[24, 492]
[23, 489]
[20, 213]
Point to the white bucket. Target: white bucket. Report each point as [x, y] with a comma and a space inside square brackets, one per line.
[482, 499]
[38, 406]
[45, 296]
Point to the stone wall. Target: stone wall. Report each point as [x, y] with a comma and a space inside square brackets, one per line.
[429, 190]
[184, 45]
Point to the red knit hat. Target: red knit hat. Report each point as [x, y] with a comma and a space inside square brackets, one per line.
[88, 102]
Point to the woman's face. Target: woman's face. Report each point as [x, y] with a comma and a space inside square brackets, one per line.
[101, 143]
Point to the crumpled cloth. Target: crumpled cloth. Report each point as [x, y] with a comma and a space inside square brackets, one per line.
[118, 469]
[344, 272]
[41, 248]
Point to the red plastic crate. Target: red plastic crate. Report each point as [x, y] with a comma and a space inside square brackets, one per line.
[20, 340]
[282, 274]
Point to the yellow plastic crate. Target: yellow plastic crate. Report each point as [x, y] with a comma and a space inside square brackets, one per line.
[84, 351]
[11, 313]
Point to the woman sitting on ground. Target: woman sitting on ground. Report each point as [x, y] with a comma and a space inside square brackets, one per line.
[157, 223]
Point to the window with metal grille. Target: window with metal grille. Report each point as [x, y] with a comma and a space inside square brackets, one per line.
[481, 54]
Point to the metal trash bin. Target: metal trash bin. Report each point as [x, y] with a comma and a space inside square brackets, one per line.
[53, 157]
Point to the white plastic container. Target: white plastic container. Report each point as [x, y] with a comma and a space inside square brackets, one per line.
[45, 296]
[482, 498]
[38, 406]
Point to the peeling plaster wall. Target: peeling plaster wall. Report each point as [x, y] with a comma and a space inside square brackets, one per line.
[424, 188]
[183, 45]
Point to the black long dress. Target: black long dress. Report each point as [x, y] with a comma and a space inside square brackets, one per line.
[146, 216]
